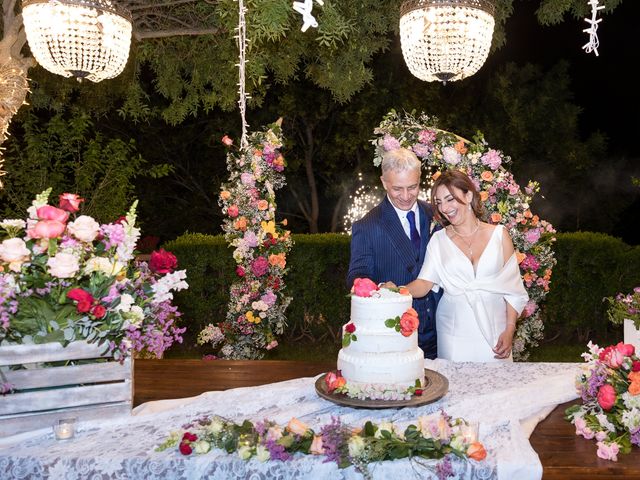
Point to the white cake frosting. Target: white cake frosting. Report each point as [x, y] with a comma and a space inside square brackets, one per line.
[381, 356]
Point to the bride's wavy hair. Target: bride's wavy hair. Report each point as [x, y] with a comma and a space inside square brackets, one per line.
[458, 179]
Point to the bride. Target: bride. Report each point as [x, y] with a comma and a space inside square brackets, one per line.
[475, 263]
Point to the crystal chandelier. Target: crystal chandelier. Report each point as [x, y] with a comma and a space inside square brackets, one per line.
[445, 40]
[81, 38]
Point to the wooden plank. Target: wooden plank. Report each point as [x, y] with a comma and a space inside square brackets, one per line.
[69, 375]
[42, 400]
[50, 352]
[163, 379]
[14, 424]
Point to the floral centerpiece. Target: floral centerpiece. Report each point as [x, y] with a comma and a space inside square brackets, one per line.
[610, 391]
[625, 307]
[504, 200]
[256, 310]
[437, 436]
[65, 277]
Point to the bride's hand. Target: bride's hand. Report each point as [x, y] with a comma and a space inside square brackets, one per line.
[387, 285]
[505, 343]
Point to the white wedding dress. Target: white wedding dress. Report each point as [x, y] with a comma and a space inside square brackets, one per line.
[472, 312]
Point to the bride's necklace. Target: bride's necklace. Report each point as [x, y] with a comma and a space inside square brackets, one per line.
[464, 236]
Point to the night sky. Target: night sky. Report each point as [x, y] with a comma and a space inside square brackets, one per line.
[604, 85]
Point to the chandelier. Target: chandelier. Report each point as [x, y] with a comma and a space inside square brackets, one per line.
[80, 38]
[445, 40]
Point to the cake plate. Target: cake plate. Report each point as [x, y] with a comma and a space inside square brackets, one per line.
[436, 387]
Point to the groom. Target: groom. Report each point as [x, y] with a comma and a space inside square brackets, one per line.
[389, 242]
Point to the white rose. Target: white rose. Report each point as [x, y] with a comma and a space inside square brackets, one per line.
[104, 265]
[134, 317]
[14, 252]
[450, 155]
[126, 301]
[215, 426]
[356, 446]
[262, 453]
[244, 452]
[201, 446]
[84, 228]
[63, 265]
[384, 426]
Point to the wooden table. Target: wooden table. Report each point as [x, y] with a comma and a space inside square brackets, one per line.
[563, 454]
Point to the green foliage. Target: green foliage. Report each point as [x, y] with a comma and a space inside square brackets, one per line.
[591, 266]
[67, 153]
[552, 12]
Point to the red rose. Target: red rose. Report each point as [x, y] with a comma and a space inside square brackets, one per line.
[606, 396]
[192, 437]
[625, 349]
[98, 311]
[635, 366]
[80, 295]
[350, 328]
[362, 287]
[47, 212]
[185, 449]
[70, 202]
[162, 261]
[240, 271]
[83, 306]
[419, 391]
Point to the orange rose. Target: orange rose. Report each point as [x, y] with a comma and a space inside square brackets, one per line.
[435, 176]
[528, 214]
[527, 277]
[263, 204]
[278, 260]
[476, 451]
[535, 220]
[240, 224]
[297, 427]
[257, 153]
[279, 161]
[520, 256]
[316, 447]
[484, 196]
[496, 217]
[634, 388]
[284, 222]
[225, 195]
[460, 148]
[403, 291]
[634, 377]
[487, 176]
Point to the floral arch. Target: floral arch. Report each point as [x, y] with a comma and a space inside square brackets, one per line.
[504, 200]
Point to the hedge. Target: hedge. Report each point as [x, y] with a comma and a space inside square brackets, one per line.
[590, 267]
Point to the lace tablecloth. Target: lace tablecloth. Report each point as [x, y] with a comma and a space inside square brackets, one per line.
[508, 399]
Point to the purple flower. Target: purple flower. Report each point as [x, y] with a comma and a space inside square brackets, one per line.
[532, 235]
[491, 159]
[422, 151]
[635, 437]
[248, 179]
[250, 239]
[113, 235]
[390, 143]
[260, 266]
[277, 451]
[269, 298]
[530, 263]
[594, 382]
[444, 469]
[334, 441]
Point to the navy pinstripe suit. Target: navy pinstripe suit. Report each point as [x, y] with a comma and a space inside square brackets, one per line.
[381, 251]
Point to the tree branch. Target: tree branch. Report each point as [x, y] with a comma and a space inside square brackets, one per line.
[176, 33]
[147, 6]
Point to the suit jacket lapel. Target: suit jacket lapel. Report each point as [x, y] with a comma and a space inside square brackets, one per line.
[394, 228]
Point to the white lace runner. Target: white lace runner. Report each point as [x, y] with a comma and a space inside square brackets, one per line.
[504, 397]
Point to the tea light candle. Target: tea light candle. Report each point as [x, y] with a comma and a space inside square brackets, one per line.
[470, 432]
[64, 429]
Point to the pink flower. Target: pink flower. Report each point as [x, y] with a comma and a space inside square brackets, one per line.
[587, 433]
[232, 211]
[227, 140]
[612, 357]
[608, 451]
[240, 271]
[362, 287]
[451, 156]
[316, 447]
[606, 396]
[625, 349]
[248, 179]
[334, 380]
[84, 299]
[271, 345]
[409, 322]
[532, 235]
[70, 202]
[47, 229]
[162, 261]
[601, 435]
[426, 136]
[98, 311]
[390, 143]
[491, 159]
[260, 266]
[47, 212]
[529, 309]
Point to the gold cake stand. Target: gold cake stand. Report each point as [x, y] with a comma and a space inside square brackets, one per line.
[436, 386]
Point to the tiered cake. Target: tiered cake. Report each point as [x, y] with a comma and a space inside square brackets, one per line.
[381, 362]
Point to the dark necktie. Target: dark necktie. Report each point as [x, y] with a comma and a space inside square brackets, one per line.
[413, 231]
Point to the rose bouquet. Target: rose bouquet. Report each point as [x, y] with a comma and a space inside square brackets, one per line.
[436, 436]
[610, 391]
[625, 307]
[65, 277]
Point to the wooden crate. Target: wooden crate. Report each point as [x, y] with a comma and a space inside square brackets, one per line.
[45, 394]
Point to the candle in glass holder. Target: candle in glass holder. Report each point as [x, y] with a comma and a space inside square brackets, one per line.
[65, 428]
[470, 431]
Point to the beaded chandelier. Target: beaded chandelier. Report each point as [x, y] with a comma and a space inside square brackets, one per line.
[445, 40]
[81, 38]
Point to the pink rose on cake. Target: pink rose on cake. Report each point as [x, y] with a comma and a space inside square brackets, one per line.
[409, 322]
[362, 287]
[334, 380]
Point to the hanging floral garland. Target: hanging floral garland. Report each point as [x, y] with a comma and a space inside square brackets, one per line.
[504, 200]
[256, 308]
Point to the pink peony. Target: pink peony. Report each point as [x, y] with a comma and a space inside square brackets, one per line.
[47, 212]
[390, 143]
[491, 159]
[362, 287]
[532, 235]
[70, 202]
[260, 266]
[606, 396]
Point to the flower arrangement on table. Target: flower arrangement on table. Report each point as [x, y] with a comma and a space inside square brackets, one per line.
[625, 307]
[65, 277]
[610, 391]
[437, 436]
[256, 310]
[504, 200]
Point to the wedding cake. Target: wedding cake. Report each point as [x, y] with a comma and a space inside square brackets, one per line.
[380, 358]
